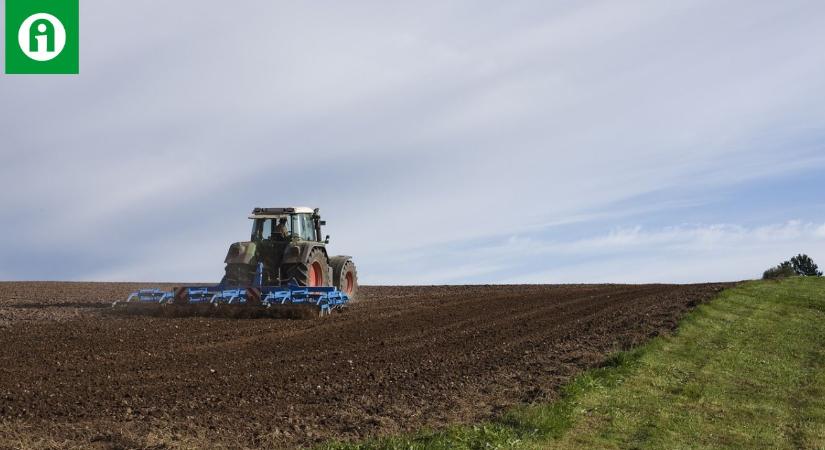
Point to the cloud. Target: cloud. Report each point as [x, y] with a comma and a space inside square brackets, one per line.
[688, 253]
[414, 127]
[684, 253]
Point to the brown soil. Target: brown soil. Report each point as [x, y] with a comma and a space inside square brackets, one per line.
[399, 359]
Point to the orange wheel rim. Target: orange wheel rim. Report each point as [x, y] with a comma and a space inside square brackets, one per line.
[349, 283]
[315, 275]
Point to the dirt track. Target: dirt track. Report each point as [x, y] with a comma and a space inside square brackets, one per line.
[401, 358]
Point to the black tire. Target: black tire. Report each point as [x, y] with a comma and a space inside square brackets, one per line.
[300, 272]
[342, 268]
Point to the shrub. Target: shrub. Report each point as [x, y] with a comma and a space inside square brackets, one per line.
[781, 271]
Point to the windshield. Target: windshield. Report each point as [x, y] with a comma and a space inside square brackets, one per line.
[284, 227]
[271, 228]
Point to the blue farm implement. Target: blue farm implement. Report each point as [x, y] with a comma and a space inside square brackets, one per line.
[291, 301]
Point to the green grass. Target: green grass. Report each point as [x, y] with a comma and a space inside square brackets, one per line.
[744, 371]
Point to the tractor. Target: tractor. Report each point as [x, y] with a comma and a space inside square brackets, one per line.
[288, 242]
[284, 267]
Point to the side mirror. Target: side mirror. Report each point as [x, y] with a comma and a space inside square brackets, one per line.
[323, 222]
[326, 241]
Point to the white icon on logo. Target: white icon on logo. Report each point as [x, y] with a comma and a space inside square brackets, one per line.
[41, 37]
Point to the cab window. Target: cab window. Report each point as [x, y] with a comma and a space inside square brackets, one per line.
[264, 229]
[306, 227]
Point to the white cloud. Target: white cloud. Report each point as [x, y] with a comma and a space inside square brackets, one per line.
[690, 253]
[412, 126]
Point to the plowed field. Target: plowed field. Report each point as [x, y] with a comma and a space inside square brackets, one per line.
[399, 359]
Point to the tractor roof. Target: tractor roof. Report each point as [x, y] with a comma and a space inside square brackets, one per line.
[270, 212]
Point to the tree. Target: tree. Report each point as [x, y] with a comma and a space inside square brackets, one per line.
[805, 266]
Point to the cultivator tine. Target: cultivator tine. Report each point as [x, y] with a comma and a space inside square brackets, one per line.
[143, 302]
[305, 301]
[150, 296]
[196, 295]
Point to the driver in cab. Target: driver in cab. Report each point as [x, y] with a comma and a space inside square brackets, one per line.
[281, 231]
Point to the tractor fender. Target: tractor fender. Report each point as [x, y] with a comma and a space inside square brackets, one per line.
[298, 253]
[337, 262]
[241, 253]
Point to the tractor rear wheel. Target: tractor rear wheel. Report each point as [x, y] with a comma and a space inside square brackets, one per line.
[344, 275]
[314, 273]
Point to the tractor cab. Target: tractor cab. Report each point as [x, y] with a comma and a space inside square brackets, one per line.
[287, 224]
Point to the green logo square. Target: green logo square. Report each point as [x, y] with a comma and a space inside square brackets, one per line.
[42, 36]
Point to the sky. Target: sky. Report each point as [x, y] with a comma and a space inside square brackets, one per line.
[445, 142]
